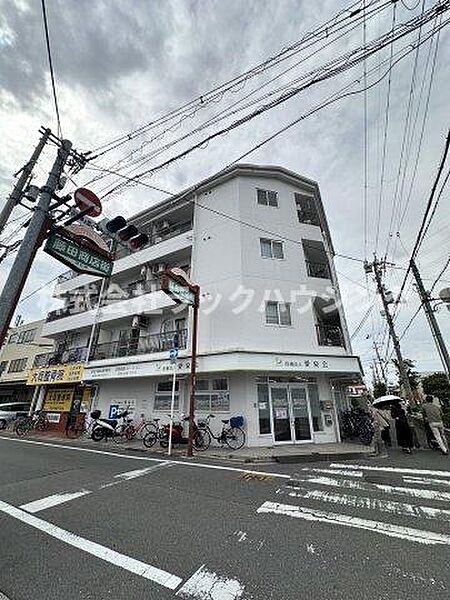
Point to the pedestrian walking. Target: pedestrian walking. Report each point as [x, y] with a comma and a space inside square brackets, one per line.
[402, 428]
[433, 414]
[380, 423]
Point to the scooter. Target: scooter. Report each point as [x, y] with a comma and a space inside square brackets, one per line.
[178, 436]
[110, 428]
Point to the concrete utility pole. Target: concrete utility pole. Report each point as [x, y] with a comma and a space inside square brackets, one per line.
[25, 173]
[401, 365]
[35, 235]
[434, 326]
[381, 364]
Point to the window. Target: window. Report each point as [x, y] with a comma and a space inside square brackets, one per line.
[17, 365]
[25, 337]
[212, 395]
[13, 338]
[3, 365]
[271, 248]
[306, 209]
[278, 313]
[263, 408]
[267, 197]
[163, 395]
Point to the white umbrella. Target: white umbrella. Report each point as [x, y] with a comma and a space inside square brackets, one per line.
[386, 400]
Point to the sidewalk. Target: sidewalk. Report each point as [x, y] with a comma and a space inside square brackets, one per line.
[295, 453]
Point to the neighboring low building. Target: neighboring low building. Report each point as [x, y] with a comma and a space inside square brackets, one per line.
[17, 356]
[273, 342]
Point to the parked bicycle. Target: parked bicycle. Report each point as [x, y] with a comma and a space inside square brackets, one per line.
[76, 429]
[231, 434]
[357, 423]
[38, 421]
[161, 433]
[141, 428]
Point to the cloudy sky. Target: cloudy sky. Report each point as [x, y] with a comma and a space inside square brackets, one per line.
[125, 63]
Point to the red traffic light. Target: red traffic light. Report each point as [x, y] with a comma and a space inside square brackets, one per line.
[138, 242]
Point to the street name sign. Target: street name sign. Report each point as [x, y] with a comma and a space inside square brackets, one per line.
[77, 256]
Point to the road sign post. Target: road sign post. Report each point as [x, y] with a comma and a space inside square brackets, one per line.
[173, 354]
[177, 285]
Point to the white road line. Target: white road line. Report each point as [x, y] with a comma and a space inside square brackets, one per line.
[54, 500]
[425, 480]
[140, 472]
[115, 558]
[206, 584]
[390, 489]
[334, 472]
[148, 459]
[392, 470]
[389, 506]
[388, 529]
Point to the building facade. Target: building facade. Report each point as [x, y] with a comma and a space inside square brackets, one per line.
[273, 343]
[22, 346]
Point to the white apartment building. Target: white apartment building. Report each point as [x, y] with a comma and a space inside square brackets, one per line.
[273, 343]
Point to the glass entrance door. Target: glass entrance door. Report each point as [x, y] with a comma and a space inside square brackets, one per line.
[291, 418]
[281, 417]
[301, 417]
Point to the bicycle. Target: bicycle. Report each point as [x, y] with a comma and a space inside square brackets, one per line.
[76, 430]
[38, 421]
[140, 429]
[161, 433]
[232, 433]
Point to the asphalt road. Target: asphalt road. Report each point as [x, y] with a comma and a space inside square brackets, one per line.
[82, 524]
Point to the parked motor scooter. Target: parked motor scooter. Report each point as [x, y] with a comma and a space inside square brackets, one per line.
[110, 428]
[178, 436]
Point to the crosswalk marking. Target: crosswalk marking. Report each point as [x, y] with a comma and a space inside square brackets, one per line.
[390, 489]
[390, 506]
[349, 487]
[409, 471]
[389, 529]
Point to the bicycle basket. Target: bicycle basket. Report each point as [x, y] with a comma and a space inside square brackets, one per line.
[96, 414]
[236, 421]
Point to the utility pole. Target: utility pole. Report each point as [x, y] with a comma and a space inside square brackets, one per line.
[25, 173]
[434, 326]
[34, 236]
[401, 365]
[380, 362]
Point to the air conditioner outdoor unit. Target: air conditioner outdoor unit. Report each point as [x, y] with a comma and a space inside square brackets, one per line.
[139, 322]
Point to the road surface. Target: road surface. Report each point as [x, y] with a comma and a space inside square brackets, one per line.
[77, 523]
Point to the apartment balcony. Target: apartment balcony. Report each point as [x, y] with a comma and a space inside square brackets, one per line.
[330, 335]
[159, 342]
[320, 270]
[73, 355]
[169, 240]
[308, 217]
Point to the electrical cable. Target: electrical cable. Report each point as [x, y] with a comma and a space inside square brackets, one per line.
[50, 63]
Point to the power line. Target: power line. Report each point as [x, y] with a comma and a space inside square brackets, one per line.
[50, 63]
[325, 72]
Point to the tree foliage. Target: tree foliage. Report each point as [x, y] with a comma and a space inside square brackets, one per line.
[379, 389]
[438, 385]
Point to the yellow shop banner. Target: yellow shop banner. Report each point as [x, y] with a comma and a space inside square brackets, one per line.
[59, 400]
[56, 374]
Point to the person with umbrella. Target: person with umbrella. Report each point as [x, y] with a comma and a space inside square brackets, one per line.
[404, 433]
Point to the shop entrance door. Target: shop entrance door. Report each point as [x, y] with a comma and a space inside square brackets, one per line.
[291, 415]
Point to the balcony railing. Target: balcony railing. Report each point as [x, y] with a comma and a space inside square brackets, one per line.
[318, 269]
[158, 342]
[128, 291]
[155, 238]
[58, 357]
[308, 217]
[329, 335]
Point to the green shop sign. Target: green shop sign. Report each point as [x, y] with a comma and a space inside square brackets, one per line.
[78, 257]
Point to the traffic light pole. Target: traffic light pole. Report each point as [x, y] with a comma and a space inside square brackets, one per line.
[434, 326]
[196, 291]
[401, 365]
[25, 173]
[34, 236]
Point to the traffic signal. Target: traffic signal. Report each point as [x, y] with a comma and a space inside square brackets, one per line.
[119, 229]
